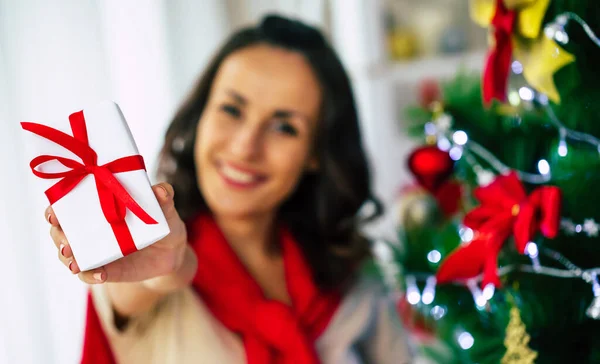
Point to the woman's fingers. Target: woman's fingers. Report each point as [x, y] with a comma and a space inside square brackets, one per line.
[58, 237]
[60, 241]
[178, 236]
[164, 193]
[157, 260]
[65, 254]
[94, 276]
[70, 263]
[50, 216]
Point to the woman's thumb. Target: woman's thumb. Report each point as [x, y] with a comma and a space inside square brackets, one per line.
[164, 194]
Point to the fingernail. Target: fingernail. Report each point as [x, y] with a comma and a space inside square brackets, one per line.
[98, 276]
[61, 248]
[163, 193]
[71, 266]
[48, 218]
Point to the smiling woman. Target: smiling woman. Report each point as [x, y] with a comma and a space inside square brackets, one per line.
[265, 174]
[320, 177]
[255, 137]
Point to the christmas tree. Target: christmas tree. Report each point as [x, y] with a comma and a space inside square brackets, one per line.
[501, 247]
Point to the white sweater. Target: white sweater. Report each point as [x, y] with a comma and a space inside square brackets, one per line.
[181, 330]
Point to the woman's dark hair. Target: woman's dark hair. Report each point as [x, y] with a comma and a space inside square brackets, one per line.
[323, 211]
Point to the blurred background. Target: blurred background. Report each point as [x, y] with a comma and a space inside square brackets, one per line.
[58, 57]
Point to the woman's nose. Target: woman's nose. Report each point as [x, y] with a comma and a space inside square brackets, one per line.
[246, 142]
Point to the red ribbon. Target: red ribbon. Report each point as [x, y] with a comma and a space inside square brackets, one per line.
[495, 76]
[505, 209]
[114, 199]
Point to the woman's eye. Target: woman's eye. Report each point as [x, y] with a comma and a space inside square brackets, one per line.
[232, 110]
[286, 128]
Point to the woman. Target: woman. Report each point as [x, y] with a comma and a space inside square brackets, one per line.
[264, 164]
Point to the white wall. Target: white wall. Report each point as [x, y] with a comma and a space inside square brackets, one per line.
[243, 12]
[52, 64]
[195, 30]
[357, 32]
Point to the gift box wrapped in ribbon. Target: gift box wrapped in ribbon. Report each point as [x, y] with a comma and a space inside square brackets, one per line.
[90, 169]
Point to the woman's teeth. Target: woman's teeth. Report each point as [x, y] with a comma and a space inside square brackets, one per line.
[237, 175]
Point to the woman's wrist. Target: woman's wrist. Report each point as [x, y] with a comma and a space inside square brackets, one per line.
[181, 277]
[135, 298]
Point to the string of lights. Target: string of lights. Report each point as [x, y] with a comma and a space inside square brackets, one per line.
[556, 29]
[481, 296]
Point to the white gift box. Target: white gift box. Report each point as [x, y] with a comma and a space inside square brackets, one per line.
[79, 212]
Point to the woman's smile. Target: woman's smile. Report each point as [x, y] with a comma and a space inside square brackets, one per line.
[239, 177]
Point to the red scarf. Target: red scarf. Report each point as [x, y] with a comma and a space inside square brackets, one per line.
[272, 332]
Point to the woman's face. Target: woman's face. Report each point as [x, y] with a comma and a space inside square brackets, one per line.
[255, 137]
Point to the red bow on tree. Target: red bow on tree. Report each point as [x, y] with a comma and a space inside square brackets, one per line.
[497, 67]
[505, 210]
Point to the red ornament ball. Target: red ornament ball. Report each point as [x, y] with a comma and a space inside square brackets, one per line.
[431, 166]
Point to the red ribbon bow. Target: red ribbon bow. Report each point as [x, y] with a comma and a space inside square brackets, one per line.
[497, 67]
[114, 199]
[505, 209]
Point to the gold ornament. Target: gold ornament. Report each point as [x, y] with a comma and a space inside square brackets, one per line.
[402, 44]
[540, 56]
[418, 210]
[516, 341]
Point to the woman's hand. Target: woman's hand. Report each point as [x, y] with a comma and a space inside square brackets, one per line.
[162, 258]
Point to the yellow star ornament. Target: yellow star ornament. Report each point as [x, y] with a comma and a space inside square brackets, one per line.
[540, 55]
